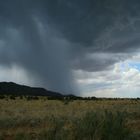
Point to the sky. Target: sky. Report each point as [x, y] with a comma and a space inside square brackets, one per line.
[86, 48]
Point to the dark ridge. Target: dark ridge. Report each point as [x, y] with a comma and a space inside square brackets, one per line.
[10, 88]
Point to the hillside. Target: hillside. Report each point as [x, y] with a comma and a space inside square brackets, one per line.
[16, 89]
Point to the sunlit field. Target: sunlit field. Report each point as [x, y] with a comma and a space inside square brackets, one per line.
[42, 119]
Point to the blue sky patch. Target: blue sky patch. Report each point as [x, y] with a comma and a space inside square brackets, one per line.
[135, 65]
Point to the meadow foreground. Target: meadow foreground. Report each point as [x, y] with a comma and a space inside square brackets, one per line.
[43, 119]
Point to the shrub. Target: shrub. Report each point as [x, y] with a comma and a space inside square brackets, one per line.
[12, 97]
[93, 126]
[2, 96]
[87, 127]
[114, 126]
[2, 136]
[22, 136]
[103, 127]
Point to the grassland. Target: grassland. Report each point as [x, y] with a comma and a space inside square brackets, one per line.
[43, 119]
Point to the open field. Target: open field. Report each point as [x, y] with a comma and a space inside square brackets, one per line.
[42, 119]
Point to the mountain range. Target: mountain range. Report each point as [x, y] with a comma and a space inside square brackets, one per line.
[11, 88]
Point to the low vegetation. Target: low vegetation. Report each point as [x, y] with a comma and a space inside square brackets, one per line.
[40, 118]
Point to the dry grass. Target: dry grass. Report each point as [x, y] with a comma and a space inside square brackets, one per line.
[28, 119]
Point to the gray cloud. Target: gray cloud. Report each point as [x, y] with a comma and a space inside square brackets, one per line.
[50, 38]
[31, 43]
[98, 61]
[84, 22]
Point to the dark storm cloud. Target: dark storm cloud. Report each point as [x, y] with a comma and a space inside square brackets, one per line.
[31, 43]
[49, 38]
[98, 61]
[83, 21]
[97, 26]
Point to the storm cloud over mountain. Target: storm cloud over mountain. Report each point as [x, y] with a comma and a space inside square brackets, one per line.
[52, 39]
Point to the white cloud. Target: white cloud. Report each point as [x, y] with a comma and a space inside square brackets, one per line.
[120, 81]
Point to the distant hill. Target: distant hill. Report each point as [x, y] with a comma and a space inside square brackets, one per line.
[10, 88]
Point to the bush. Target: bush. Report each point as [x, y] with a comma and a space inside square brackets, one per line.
[88, 127]
[2, 96]
[2, 136]
[32, 98]
[12, 97]
[93, 126]
[114, 127]
[22, 136]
